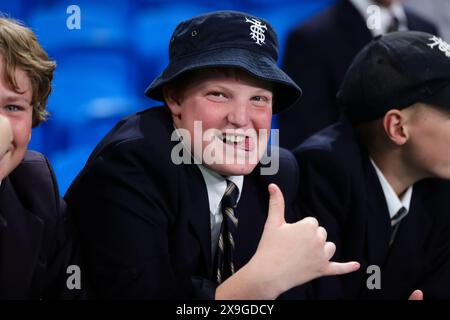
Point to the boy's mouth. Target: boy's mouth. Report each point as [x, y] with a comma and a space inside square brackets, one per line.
[240, 141]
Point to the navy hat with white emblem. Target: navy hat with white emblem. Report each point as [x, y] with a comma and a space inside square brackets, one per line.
[227, 39]
[395, 71]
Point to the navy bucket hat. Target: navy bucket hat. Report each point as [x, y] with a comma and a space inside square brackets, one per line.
[227, 39]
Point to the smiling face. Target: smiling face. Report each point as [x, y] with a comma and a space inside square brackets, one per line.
[16, 107]
[235, 112]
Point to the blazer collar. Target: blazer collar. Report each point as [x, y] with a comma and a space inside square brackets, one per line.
[418, 222]
[378, 220]
[199, 213]
[378, 223]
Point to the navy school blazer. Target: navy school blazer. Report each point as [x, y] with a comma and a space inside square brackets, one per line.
[37, 240]
[144, 222]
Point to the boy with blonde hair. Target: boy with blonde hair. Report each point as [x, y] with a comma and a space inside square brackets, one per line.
[36, 245]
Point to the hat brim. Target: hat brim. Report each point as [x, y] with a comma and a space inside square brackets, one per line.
[286, 91]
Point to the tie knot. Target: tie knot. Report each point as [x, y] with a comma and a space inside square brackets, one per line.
[401, 213]
[230, 196]
[394, 25]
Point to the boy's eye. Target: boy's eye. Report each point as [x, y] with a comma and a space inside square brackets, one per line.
[261, 99]
[217, 96]
[12, 108]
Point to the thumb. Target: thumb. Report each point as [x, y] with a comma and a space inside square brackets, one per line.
[416, 295]
[275, 216]
[337, 268]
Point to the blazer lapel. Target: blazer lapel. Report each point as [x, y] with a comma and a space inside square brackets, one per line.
[20, 241]
[252, 214]
[406, 255]
[417, 222]
[378, 223]
[199, 216]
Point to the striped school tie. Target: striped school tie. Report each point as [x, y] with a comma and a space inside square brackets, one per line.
[224, 264]
[395, 223]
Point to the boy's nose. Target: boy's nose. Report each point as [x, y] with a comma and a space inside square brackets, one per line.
[239, 115]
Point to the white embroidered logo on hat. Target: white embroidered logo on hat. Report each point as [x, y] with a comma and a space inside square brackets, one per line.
[442, 45]
[257, 30]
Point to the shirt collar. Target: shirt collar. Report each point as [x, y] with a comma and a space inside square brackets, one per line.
[216, 185]
[386, 15]
[394, 203]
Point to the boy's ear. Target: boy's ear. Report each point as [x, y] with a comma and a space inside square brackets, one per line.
[172, 100]
[394, 124]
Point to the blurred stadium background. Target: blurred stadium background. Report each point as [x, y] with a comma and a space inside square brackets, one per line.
[104, 67]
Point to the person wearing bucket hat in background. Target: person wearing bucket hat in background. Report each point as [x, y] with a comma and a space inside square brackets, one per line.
[153, 227]
[365, 177]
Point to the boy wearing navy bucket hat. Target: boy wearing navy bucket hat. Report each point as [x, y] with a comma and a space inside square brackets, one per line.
[173, 203]
[370, 179]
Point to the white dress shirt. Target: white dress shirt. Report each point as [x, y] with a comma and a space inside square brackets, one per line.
[394, 203]
[216, 186]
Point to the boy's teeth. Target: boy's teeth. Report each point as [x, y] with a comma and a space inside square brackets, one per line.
[233, 139]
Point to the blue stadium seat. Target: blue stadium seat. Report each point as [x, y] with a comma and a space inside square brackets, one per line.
[103, 25]
[90, 86]
[221, 5]
[13, 9]
[37, 139]
[152, 30]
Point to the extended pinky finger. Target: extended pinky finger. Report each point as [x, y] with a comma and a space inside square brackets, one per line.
[337, 268]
